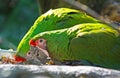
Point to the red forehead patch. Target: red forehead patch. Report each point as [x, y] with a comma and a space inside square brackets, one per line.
[32, 42]
[19, 58]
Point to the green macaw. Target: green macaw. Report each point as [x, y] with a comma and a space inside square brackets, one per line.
[53, 19]
[95, 42]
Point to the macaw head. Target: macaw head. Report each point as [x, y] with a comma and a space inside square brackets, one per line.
[38, 51]
[40, 43]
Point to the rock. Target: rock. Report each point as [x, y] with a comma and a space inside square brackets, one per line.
[54, 71]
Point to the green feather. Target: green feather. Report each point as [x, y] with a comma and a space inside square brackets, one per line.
[95, 42]
[52, 20]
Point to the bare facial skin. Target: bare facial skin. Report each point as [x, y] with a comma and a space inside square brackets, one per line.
[37, 56]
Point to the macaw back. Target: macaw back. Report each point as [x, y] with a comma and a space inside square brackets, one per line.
[95, 42]
[53, 20]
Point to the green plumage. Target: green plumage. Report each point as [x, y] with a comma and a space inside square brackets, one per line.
[94, 42]
[52, 20]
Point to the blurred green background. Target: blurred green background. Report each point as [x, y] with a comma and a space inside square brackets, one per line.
[17, 16]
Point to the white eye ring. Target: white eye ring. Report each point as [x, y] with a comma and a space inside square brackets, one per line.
[28, 54]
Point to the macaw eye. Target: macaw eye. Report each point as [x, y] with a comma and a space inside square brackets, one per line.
[41, 40]
[28, 53]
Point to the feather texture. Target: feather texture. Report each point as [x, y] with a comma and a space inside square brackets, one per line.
[95, 42]
[53, 20]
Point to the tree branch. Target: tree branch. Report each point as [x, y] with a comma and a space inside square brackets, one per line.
[91, 12]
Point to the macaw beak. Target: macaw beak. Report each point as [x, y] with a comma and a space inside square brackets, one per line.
[19, 58]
